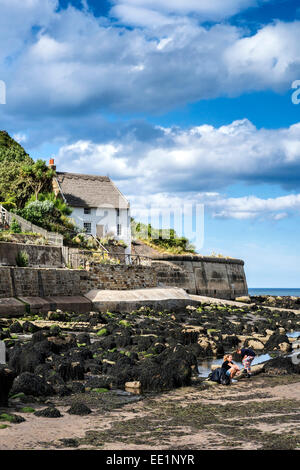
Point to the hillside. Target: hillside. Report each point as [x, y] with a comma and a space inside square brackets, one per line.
[20, 175]
[10, 150]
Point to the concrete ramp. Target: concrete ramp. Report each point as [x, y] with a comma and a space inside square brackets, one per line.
[128, 300]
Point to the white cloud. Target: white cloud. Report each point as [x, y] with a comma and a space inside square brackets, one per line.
[191, 164]
[268, 58]
[21, 138]
[218, 205]
[76, 61]
[135, 11]
[17, 19]
[250, 207]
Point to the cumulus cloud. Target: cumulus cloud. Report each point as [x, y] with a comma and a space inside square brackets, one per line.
[17, 20]
[135, 11]
[218, 205]
[68, 61]
[251, 207]
[195, 164]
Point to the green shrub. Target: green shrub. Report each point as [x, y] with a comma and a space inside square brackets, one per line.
[22, 259]
[15, 227]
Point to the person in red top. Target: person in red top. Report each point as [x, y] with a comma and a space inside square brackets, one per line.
[247, 355]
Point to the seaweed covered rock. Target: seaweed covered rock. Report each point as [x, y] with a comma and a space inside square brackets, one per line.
[171, 369]
[31, 384]
[83, 338]
[29, 327]
[50, 412]
[12, 418]
[26, 358]
[98, 382]
[78, 387]
[283, 365]
[61, 344]
[16, 327]
[6, 381]
[275, 340]
[79, 409]
[69, 370]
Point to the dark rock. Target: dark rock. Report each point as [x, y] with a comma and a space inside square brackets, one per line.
[44, 370]
[195, 349]
[83, 338]
[12, 418]
[29, 327]
[159, 348]
[81, 354]
[39, 336]
[93, 322]
[4, 335]
[78, 387]
[49, 412]
[98, 382]
[61, 344]
[25, 359]
[69, 442]
[108, 342]
[69, 370]
[92, 367]
[123, 340]
[31, 384]
[274, 341]
[79, 409]
[16, 327]
[231, 341]
[282, 365]
[6, 380]
[144, 342]
[54, 330]
[63, 390]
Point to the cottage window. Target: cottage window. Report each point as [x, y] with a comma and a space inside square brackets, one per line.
[87, 227]
[119, 229]
[87, 210]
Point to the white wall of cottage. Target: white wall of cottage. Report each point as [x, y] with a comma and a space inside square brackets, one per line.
[108, 218]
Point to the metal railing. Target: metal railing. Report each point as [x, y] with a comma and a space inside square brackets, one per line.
[86, 235]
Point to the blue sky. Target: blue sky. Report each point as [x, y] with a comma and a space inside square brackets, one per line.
[178, 101]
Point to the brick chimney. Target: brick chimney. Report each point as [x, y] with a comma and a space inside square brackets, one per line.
[51, 164]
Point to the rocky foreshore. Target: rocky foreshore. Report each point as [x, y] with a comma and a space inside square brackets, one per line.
[94, 360]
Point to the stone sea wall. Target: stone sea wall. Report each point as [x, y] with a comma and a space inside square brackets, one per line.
[215, 277]
[48, 282]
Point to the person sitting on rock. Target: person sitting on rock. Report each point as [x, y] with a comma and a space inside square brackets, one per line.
[247, 355]
[229, 366]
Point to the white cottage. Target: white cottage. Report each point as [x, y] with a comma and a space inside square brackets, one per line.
[98, 205]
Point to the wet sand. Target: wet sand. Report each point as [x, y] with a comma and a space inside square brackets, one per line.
[186, 418]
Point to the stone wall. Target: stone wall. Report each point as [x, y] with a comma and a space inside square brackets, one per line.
[40, 282]
[47, 282]
[121, 277]
[215, 277]
[38, 255]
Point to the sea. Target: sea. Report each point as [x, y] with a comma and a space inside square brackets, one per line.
[274, 291]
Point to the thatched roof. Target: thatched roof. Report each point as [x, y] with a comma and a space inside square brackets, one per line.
[90, 191]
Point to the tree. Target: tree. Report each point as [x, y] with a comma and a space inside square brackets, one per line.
[38, 176]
